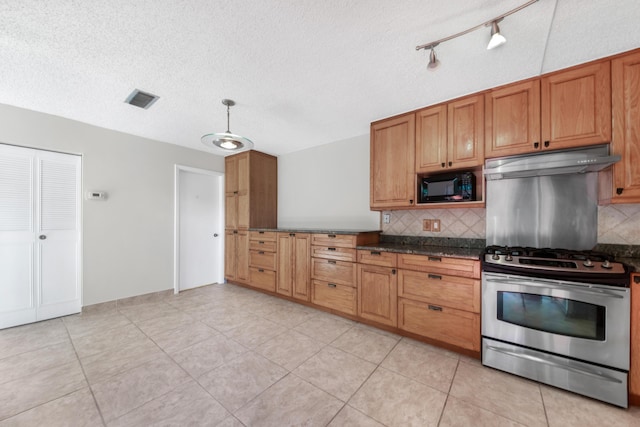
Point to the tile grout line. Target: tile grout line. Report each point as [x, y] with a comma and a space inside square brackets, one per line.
[93, 396]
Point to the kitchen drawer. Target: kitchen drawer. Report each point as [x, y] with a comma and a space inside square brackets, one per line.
[269, 236]
[450, 291]
[332, 295]
[334, 240]
[262, 245]
[334, 252]
[440, 265]
[456, 327]
[262, 259]
[263, 279]
[340, 272]
[383, 259]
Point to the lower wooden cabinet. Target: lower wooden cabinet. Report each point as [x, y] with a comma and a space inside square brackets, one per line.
[293, 265]
[262, 279]
[456, 327]
[236, 263]
[378, 294]
[337, 297]
[456, 292]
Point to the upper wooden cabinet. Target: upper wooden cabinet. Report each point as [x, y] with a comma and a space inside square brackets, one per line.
[576, 107]
[625, 73]
[392, 169]
[450, 136]
[562, 110]
[512, 119]
[251, 190]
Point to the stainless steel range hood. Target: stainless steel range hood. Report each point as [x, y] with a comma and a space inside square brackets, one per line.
[581, 160]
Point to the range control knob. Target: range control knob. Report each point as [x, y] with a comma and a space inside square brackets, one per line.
[606, 264]
[588, 263]
[495, 257]
[508, 257]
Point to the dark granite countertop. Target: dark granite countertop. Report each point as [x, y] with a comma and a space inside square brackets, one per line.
[445, 251]
[316, 230]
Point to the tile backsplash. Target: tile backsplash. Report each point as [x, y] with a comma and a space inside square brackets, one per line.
[617, 224]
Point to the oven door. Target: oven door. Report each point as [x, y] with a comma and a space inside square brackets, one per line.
[581, 321]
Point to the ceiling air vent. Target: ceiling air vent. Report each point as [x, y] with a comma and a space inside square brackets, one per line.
[141, 99]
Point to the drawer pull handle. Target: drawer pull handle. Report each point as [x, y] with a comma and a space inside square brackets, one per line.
[435, 308]
[260, 270]
[331, 235]
[292, 234]
[260, 232]
[435, 258]
[331, 262]
[331, 249]
[235, 231]
[375, 253]
[435, 276]
[393, 271]
[636, 279]
[260, 242]
[261, 252]
[332, 285]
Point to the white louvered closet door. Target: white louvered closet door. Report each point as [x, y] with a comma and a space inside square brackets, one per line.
[39, 235]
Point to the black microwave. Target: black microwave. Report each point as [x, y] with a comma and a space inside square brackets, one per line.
[453, 187]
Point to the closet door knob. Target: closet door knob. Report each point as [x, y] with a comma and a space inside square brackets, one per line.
[42, 237]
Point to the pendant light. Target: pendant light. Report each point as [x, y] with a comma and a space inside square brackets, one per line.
[227, 142]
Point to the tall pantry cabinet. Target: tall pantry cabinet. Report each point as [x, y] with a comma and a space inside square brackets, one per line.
[251, 201]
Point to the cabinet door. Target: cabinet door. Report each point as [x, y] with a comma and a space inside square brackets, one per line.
[243, 190]
[512, 124]
[393, 162]
[285, 265]
[431, 139]
[231, 174]
[242, 255]
[576, 107]
[465, 130]
[302, 263]
[634, 369]
[231, 211]
[230, 260]
[378, 294]
[626, 128]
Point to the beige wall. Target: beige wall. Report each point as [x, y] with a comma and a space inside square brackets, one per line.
[327, 186]
[127, 239]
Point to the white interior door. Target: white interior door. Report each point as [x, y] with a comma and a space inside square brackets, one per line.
[200, 230]
[39, 235]
[58, 239]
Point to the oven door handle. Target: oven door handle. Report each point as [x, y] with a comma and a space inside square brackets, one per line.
[524, 355]
[546, 283]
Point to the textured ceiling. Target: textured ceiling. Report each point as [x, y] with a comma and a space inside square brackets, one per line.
[302, 72]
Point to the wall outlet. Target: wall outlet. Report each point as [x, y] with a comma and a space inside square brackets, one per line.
[435, 225]
[386, 218]
[427, 224]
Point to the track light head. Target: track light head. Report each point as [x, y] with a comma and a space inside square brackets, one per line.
[433, 61]
[497, 39]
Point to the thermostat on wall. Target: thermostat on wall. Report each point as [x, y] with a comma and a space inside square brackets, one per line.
[96, 195]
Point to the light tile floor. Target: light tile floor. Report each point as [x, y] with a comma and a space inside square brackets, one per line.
[223, 355]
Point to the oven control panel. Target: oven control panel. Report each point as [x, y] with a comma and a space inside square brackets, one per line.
[556, 264]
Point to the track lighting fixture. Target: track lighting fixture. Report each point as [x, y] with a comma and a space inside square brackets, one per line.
[496, 40]
[433, 61]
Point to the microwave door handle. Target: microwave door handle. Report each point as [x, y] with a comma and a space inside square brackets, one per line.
[520, 282]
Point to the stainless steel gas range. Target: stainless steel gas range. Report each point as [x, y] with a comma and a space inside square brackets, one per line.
[558, 316]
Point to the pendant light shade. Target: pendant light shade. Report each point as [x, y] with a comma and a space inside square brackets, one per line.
[497, 39]
[227, 142]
